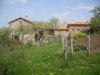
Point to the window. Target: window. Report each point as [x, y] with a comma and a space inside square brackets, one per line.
[20, 22]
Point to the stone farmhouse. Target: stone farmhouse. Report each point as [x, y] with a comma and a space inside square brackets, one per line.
[79, 26]
[60, 30]
[19, 21]
[75, 26]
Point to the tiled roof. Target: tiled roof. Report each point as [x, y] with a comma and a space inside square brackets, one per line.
[81, 22]
[61, 26]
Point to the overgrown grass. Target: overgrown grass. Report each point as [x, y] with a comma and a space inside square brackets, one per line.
[46, 60]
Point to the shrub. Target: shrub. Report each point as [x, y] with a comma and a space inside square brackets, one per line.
[4, 35]
[9, 58]
[95, 29]
[29, 43]
[79, 35]
[79, 47]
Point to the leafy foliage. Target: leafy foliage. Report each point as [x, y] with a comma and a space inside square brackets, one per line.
[23, 29]
[4, 35]
[95, 29]
[49, 24]
[54, 21]
[96, 15]
[40, 24]
[95, 20]
[80, 47]
[79, 35]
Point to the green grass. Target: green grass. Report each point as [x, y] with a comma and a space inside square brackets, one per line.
[46, 60]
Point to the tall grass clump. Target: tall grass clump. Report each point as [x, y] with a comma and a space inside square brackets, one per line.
[4, 35]
[12, 58]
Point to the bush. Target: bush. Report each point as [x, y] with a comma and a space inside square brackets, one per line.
[29, 43]
[9, 58]
[4, 35]
[79, 35]
[95, 29]
[79, 47]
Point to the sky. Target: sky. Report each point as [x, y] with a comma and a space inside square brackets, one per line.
[43, 10]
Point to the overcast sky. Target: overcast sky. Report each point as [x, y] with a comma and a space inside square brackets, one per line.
[43, 10]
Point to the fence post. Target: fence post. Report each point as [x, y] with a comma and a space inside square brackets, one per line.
[66, 47]
[71, 45]
[64, 41]
[71, 42]
[89, 43]
[62, 38]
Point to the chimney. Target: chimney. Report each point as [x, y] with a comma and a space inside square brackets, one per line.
[26, 16]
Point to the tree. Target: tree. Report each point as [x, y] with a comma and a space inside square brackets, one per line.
[95, 20]
[4, 35]
[54, 21]
[96, 15]
[24, 28]
[40, 24]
